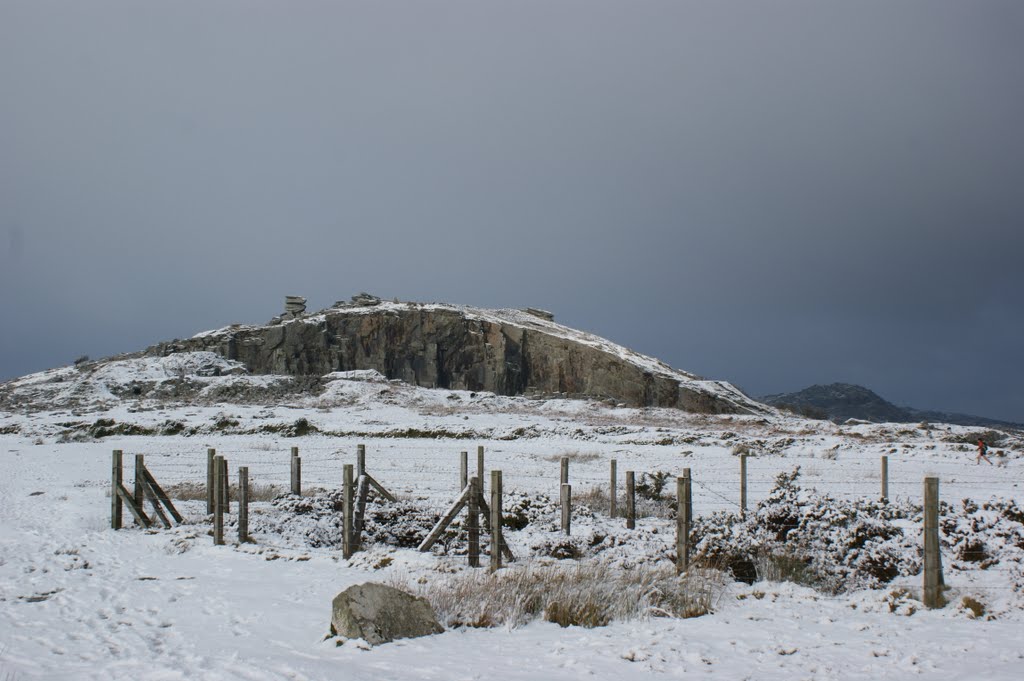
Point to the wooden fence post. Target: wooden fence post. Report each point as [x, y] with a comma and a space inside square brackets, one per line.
[566, 508]
[932, 557]
[564, 476]
[684, 513]
[210, 453]
[480, 469]
[885, 478]
[139, 491]
[360, 460]
[463, 470]
[613, 492]
[243, 504]
[116, 479]
[473, 522]
[225, 480]
[218, 504]
[630, 500]
[348, 513]
[496, 532]
[296, 474]
[743, 485]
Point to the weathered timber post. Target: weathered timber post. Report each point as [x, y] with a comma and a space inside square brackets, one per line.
[473, 522]
[613, 491]
[116, 479]
[480, 469]
[566, 508]
[139, 491]
[885, 478]
[225, 497]
[210, 453]
[564, 475]
[360, 460]
[295, 452]
[743, 485]
[227, 487]
[684, 514]
[218, 502]
[348, 513]
[297, 475]
[496, 532]
[463, 470]
[243, 504]
[932, 557]
[630, 500]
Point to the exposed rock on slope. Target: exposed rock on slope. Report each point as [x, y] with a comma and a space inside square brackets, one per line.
[508, 352]
[842, 401]
[839, 402]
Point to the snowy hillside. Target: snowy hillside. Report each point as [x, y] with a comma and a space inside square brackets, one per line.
[81, 601]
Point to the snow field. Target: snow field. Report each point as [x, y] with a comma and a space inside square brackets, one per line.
[81, 601]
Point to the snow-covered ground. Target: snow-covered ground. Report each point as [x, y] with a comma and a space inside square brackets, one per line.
[80, 601]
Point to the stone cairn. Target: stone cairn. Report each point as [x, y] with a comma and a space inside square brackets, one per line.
[361, 300]
[294, 306]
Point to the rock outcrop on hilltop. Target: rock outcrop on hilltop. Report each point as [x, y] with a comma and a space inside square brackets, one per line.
[507, 352]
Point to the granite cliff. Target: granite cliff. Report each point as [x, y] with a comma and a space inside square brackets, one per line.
[508, 352]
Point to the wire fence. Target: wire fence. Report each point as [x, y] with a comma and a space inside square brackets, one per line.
[430, 471]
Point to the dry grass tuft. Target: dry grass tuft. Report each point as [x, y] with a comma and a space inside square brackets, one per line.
[575, 457]
[587, 595]
[195, 491]
[596, 498]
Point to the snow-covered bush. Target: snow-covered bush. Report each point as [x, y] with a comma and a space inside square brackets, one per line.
[807, 537]
[987, 534]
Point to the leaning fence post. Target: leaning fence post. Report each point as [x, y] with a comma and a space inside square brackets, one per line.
[614, 492]
[296, 474]
[473, 524]
[243, 504]
[566, 508]
[139, 491]
[463, 470]
[630, 500]
[932, 557]
[225, 480]
[218, 503]
[885, 478]
[116, 479]
[496, 533]
[684, 512]
[348, 514]
[743, 485]
[210, 453]
[480, 468]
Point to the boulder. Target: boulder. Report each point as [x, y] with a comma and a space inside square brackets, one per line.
[378, 614]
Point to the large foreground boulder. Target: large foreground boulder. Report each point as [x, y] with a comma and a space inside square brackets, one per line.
[378, 614]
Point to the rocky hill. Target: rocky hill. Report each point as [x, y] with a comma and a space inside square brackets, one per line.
[842, 401]
[507, 352]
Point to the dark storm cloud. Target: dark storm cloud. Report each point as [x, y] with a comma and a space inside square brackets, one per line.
[772, 193]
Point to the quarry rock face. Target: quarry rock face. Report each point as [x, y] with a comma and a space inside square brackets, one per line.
[507, 352]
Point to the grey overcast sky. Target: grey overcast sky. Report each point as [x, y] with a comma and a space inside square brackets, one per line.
[772, 193]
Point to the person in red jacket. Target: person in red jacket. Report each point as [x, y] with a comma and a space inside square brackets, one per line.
[982, 451]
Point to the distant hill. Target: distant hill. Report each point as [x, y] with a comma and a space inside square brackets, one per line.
[842, 401]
